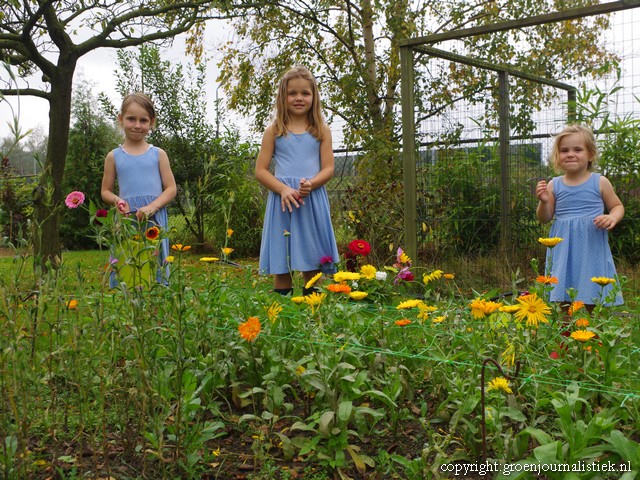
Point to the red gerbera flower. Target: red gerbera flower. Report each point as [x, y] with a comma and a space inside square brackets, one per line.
[152, 233]
[360, 247]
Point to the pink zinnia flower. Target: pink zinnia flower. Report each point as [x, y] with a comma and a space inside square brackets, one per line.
[326, 259]
[404, 274]
[74, 199]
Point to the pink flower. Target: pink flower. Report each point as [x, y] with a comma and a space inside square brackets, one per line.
[326, 259]
[404, 274]
[74, 199]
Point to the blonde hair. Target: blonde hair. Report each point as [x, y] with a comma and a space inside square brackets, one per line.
[141, 99]
[281, 113]
[589, 142]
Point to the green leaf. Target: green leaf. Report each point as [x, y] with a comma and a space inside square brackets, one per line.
[344, 411]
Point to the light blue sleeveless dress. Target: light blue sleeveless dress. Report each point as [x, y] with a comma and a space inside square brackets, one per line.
[296, 241]
[140, 183]
[584, 253]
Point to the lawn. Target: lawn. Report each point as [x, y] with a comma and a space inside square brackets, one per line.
[215, 376]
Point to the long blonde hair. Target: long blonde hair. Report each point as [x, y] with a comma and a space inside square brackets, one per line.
[281, 114]
[589, 142]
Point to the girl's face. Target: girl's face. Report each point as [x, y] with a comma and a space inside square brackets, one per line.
[136, 122]
[573, 154]
[299, 97]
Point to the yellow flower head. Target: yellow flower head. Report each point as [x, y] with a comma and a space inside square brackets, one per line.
[227, 250]
[438, 319]
[300, 370]
[358, 295]
[298, 300]
[402, 322]
[575, 306]
[273, 311]
[72, 304]
[582, 335]
[480, 307]
[250, 329]
[500, 383]
[170, 259]
[314, 299]
[582, 323]
[550, 242]
[178, 247]
[209, 259]
[368, 272]
[413, 303]
[449, 276]
[312, 282]
[430, 277]
[509, 308]
[404, 258]
[509, 355]
[603, 281]
[533, 309]
[229, 232]
[345, 276]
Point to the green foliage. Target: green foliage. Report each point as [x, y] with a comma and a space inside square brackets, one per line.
[91, 137]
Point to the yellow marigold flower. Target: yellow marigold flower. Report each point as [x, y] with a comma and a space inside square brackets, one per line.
[533, 309]
[402, 322]
[509, 308]
[345, 276]
[72, 304]
[449, 276]
[409, 304]
[273, 311]
[358, 295]
[603, 281]
[250, 329]
[480, 307]
[298, 300]
[582, 323]
[575, 306]
[227, 250]
[170, 259]
[339, 288]
[312, 282]
[582, 335]
[229, 232]
[178, 247]
[550, 242]
[438, 319]
[404, 258]
[314, 299]
[430, 277]
[500, 383]
[368, 272]
[209, 259]
[300, 370]
[546, 279]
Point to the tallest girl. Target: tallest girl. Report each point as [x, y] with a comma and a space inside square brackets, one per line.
[297, 230]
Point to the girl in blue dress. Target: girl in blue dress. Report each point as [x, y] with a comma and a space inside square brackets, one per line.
[577, 200]
[297, 232]
[145, 180]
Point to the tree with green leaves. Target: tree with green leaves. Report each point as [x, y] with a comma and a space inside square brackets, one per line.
[352, 48]
[49, 37]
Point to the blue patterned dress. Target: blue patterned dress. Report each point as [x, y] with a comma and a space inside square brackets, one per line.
[140, 183]
[296, 241]
[584, 253]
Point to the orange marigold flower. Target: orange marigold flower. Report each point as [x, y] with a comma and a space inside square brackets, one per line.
[250, 329]
[582, 323]
[603, 281]
[582, 335]
[550, 242]
[402, 322]
[339, 288]
[178, 247]
[575, 306]
[546, 279]
[72, 304]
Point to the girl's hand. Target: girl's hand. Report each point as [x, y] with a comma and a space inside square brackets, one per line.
[122, 206]
[542, 191]
[305, 187]
[290, 198]
[146, 212]
[605, 222]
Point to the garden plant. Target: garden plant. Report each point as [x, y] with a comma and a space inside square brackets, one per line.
[389, 370]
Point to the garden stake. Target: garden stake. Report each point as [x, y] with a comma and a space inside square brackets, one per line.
[484, 422]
